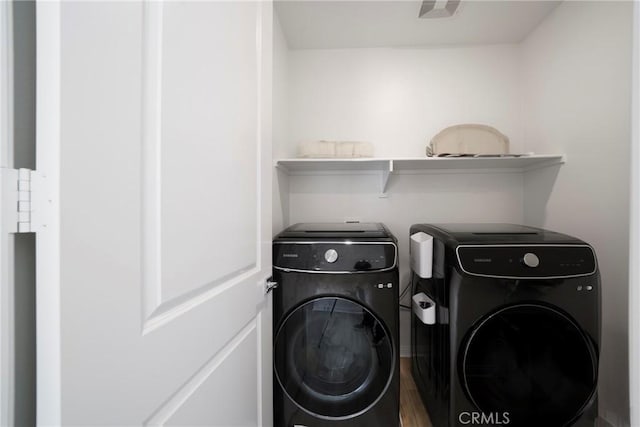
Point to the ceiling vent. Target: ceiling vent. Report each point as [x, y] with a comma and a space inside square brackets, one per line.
[438, 8]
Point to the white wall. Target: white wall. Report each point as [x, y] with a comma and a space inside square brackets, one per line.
[576, 76]
[398, 99]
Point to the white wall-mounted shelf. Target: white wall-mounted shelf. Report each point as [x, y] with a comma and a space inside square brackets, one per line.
[387, 166]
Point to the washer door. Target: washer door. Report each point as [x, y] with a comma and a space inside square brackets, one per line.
[333, 357]
[531, 361]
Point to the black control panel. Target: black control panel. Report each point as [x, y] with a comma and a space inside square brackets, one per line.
[334, 257]
[537, 261]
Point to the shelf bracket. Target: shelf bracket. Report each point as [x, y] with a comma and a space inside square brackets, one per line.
[384, 179]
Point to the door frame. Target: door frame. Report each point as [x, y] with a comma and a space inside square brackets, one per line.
[264, 46]
[7, 345]
[634, 228]
[46, 212]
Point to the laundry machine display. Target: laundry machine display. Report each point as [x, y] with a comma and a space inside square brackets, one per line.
[336, 326]
[516, 331]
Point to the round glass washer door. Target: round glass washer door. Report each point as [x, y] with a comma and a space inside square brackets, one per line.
[532, 362]
[333, 357]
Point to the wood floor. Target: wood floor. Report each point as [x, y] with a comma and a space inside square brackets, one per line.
[412, 412]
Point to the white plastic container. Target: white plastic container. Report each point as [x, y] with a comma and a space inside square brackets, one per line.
[344, 149]
[335, 149]
[317, 149]
[362, 149]
[422, 254]
[424, 308]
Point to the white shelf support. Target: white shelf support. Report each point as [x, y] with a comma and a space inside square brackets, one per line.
[384, 179]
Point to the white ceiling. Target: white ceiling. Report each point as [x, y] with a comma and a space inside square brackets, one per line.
[330, 24]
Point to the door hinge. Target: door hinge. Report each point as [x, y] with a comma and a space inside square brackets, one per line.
[18, 201]
[269, 285]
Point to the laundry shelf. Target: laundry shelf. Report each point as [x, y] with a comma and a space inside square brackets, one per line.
[387, 166]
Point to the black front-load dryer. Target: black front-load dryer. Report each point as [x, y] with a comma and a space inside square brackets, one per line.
[514, 338]
[335, 326]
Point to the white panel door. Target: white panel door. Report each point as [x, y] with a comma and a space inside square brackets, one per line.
[155, 313]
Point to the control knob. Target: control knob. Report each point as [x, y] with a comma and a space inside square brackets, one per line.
[531, 260]
[331, 256]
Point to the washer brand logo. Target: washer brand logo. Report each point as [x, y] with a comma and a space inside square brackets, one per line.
[480, 418]
[290, 255]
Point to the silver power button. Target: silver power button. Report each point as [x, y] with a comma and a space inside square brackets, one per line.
[331, 255]
[531, 260]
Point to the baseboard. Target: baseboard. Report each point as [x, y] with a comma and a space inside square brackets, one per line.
[405, 351]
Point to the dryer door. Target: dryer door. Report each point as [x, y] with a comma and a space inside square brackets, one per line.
[532, 362]
[333, 357]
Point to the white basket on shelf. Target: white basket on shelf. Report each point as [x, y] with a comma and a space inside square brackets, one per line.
[335, 149]
[468, 139]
